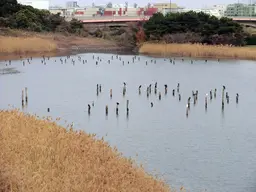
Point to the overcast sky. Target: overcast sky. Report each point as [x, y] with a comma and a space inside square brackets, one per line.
[184, 3]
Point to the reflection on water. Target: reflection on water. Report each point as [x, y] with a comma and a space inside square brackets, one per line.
[8, 71]
[211, 149]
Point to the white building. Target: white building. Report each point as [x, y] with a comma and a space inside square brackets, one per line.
[220, 8]
[213, 12]
[38, 4]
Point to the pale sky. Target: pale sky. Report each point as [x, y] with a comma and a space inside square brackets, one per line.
[184, 3]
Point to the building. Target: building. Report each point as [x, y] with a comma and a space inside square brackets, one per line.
[240, 10]
[71, 4]
[38, 4]
[209, 11]
[168, 7]
[221, 9]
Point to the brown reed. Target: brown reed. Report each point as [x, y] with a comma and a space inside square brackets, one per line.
[21, 45]
[39, 155]
[198, 50]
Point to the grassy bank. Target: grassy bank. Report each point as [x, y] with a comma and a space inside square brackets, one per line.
[39, 155]
[198, 50]
[21, 45]
[17, 42]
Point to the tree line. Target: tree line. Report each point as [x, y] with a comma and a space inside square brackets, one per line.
[192, 27]
[14, 15]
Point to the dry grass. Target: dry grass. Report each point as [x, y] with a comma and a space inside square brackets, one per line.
[21, 45]
[39, 155]
[199, 50]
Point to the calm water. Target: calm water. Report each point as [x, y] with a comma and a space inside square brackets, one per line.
[213, 150]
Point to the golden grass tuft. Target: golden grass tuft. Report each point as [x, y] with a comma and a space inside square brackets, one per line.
[198, 50]
[39, 155]
[22, 45]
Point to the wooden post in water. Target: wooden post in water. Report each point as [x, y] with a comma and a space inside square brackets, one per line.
[127, 107]
[188, 104]
[159, 96]
[22, 98]
[187, 109]
[227, 97]
[222, 102]
[205, 104]
[117, 110]
[26, 95]
[89, 109]
[110, 93]
[139, 89]
[165, 89]
[106, 109]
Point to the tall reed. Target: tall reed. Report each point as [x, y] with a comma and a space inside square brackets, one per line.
[21, 45]
[39, 155]
[198, 50]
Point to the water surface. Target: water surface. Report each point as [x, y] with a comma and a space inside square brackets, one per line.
[213, 150]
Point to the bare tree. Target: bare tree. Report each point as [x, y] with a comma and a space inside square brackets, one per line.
[135, 5]
[126, 4]
[93, 4]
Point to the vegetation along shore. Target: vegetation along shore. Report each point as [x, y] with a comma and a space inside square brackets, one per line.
[18, 42]
[197, 35]
[198, 51]
[39, 155]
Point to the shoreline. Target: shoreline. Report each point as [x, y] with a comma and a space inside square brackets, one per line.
[22, 43]
[38, 152]
[192, 58]
[198, 51]
[67, 51]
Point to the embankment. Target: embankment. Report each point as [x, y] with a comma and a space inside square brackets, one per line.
[198, 51]
[21, 45]
[39, 155]
[15, 42]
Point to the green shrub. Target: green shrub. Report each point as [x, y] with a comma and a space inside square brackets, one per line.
[211, 29]
[18, 16]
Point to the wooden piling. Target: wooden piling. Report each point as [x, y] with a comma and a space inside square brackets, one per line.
[205, 104]
[89, 109]
[26, 95]
[106, 110]
[22, 98]
[110, 92]
[237, 97]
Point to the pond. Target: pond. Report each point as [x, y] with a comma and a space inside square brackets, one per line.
[211, 149]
